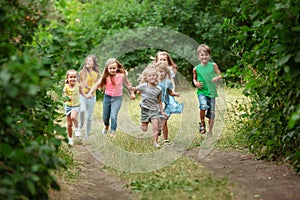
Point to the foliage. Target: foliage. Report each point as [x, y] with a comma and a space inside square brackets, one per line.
[29, 139]
[266, 37]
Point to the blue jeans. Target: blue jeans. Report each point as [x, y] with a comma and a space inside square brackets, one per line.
[86, 111]
[111, 108]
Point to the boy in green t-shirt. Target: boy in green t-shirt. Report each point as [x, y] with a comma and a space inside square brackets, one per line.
[205, 76]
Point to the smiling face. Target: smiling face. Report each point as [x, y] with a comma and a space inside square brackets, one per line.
[203, 57]
[89, 62]
[162, 73]
[112, 69]
[162, 58]
[72, 76]
[151, 77]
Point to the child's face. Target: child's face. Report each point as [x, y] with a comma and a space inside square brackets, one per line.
[162, 58]
[151, 78]
[112, 69]
[89, 62]
[203, 57]
[72, 78]
[162, 73]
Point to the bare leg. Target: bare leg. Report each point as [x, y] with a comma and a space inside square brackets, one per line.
[144, 126]
[69, 126]
[202, 121]
[211, 125]
[165, 130]
[154, 123]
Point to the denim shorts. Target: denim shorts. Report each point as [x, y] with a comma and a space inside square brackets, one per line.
[208, 104]
[68, 109]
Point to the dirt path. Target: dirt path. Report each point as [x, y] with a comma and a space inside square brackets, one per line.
[252, 179]
[93, 181]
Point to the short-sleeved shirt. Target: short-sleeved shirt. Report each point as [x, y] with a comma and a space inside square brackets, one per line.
[74, 93]
[91, 79]
[205, 74]
[117, 89]
[150, 96]
[165, 86]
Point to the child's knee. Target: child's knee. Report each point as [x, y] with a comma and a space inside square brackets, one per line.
[144, 128]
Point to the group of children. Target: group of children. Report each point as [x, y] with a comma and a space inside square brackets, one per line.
[156, 87]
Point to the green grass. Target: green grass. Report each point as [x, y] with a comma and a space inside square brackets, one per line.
[183, 178]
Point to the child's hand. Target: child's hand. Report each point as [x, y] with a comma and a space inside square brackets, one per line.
[164, 114]
[66, 98]
[132, 96]
[88, 95]
[199, 84]
[216, 79]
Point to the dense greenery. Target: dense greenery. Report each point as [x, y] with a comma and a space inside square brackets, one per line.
[255, 43]
[29, 140]
[266, 37]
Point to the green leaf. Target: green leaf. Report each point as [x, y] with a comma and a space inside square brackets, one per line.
[5, 149]
[297, 57]
[72, 44]
[283, 60]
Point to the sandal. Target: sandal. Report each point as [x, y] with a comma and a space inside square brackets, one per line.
[202, 127]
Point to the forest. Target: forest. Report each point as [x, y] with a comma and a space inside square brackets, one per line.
[256, 44]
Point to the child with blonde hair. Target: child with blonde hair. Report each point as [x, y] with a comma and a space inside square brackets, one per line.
[151, 104]
[112, 80]
[71, 93]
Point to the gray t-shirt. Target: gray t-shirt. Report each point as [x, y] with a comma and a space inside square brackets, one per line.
[150, 96]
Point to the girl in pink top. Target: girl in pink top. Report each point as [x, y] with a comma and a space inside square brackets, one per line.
[112, 80]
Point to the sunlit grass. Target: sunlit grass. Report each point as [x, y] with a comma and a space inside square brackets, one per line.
[183, 178]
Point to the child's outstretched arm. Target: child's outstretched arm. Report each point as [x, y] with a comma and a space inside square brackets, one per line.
[161, 106]
[218, 72]
[81, 91]
[129, 87]
[93, 89]
[197, 83]
[174, 94]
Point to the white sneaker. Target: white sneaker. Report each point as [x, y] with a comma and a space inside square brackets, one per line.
[77, 132]
[71, 143]
[104, 131]
[156, 145]
[86, 136]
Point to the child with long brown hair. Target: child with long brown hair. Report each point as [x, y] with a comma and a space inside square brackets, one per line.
[89, 75]
[112, 80]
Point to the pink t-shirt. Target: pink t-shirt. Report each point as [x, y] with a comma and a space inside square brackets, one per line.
[117, 89]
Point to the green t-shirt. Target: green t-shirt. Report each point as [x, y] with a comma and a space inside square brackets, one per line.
[205, 74]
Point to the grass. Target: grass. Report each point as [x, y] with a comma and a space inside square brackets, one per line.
[181, 177]
[163, 174]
